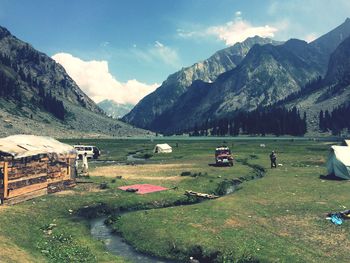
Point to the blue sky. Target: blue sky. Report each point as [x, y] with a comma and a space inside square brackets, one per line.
[138, 43]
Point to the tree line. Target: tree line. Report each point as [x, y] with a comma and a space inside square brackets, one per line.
[267, 120]
[336, 120]
[10, 88]
[51, 104]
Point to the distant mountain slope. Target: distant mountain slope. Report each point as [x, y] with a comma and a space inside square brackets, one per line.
[338, 73]
[176, 84]
[327, 43]
[265, 76]
[334, 89]
[37, 96]
[114, 109]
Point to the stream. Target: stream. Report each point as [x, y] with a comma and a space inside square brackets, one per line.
[116, 245]
[130, 159]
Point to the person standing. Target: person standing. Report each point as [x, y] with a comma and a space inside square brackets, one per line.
[273, 159]
[76, 166]
[85, 164]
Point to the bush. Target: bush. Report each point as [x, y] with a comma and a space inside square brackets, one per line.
[187, 173]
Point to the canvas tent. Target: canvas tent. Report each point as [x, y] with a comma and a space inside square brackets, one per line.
[162, 148]
[339, 162]
[32, 166]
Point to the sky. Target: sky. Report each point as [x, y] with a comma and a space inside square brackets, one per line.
[124, 49]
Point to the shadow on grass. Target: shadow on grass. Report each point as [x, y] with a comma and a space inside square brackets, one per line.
[218, 165]
[331, 177]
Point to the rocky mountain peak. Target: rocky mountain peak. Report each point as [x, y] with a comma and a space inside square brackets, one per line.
[330, 41]
[4, 32]
[339, 64]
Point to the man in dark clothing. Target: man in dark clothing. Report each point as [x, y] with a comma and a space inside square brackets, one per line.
[273, 159]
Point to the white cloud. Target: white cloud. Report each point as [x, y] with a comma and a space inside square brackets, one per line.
[310, 37]
[231, 32]
[168, 55]
[94, 78]
[238, 30]
[104, 44]
[159, 52]
[307, 18]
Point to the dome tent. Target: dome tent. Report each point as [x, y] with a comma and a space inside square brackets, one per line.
[339, 162]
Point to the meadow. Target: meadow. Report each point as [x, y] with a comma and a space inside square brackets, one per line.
[279, 217]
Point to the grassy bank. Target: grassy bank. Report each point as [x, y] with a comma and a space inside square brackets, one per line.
[277, 218]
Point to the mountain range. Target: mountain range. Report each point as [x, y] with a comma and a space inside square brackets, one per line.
[152, 106]
[37, 96]
[114, 109]
[255, 73]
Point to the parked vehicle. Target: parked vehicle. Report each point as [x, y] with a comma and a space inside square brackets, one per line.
[223, 156]
[90, 150]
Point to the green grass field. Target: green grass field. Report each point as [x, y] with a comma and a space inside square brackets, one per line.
[278, 218]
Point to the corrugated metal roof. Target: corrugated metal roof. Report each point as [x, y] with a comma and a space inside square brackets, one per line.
[20, 146]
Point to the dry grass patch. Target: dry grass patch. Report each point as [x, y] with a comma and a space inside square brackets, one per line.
[147, 171]
[3, 208]
[66, 192]
[233, 222]
[9, 252]
[204, 228]
[307, 229]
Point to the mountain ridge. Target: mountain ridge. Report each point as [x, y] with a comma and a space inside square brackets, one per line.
[267, 74]
[37, 96]
[176, 84]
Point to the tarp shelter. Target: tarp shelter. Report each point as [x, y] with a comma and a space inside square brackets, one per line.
[346, 143]
[32, 166]
[163, 148]
[339, 162]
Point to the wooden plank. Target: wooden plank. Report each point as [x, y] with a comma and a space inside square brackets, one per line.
[27, 189]
[26, 182]
[5, 170]
[25, 177]
[25, 197]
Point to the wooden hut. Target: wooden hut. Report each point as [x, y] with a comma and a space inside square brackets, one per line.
[32, 166]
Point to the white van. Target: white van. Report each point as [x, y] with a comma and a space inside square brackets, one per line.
[90, 150]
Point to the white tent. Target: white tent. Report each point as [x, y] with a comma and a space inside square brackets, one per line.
[163, 148]
[346, 143]
[339, 162]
